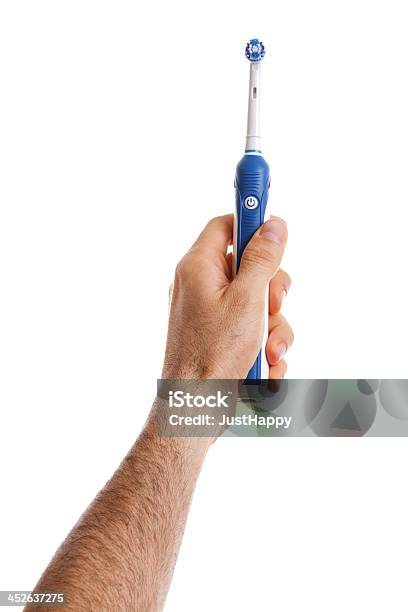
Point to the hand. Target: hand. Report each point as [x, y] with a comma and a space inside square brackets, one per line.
[216, 321]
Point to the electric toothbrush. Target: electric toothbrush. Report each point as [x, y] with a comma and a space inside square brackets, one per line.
[252, 175]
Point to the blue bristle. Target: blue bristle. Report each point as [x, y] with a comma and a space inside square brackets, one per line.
[255, 50]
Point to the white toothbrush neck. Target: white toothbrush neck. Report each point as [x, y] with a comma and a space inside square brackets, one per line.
[253, 144]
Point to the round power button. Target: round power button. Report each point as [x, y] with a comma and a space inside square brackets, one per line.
[251, 202]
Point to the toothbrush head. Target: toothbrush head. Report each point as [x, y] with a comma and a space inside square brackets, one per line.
[254, 51]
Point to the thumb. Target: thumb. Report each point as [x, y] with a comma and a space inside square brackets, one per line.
[262, 256]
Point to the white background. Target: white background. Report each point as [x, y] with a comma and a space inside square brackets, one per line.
[120, 127]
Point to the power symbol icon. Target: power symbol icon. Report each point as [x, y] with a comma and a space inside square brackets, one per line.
[251, 202]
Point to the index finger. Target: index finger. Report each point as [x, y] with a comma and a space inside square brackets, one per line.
[217, 234]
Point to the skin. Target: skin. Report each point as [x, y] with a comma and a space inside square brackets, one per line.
[120, 556]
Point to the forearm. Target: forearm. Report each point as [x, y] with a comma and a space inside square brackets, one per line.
[121, 553]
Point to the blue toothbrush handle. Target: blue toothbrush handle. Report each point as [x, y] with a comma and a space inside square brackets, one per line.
[251, 197]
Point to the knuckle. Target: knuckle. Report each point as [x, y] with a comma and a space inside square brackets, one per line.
[287, 330]
[184, 268]
[221, 218]
[276, 321]
[214, 222]
[279, 326]
[191, 273]
[286, 334]
[286, 279]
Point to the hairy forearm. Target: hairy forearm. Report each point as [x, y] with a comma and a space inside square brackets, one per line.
[121, 553]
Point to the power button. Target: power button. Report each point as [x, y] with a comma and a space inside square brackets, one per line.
[251, 202]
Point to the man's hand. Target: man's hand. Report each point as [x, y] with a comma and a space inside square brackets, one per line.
[121, 553]
[216, 321]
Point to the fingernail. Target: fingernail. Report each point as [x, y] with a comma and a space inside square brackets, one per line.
[274, 229]
[283, 295]
[280, 350]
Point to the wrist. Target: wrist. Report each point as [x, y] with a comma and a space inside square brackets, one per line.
[189, 447]
[195, 371]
